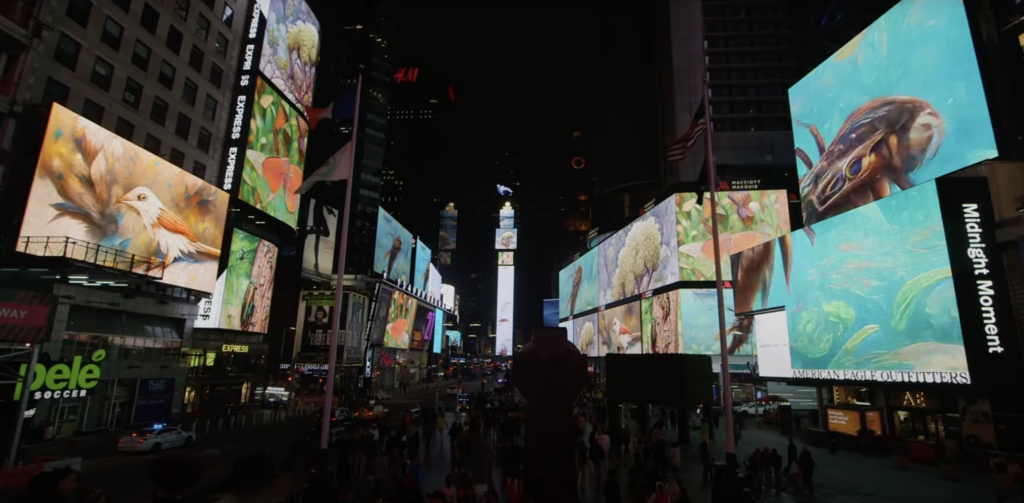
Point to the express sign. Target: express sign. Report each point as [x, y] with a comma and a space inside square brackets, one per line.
[61, 380]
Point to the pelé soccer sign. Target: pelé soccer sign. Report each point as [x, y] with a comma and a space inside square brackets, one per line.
[62, 380]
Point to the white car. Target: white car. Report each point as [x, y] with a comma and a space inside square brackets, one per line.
[751, 409]
[452, 391]
[155, 439]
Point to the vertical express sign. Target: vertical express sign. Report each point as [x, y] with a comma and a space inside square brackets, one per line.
[240, 107]
[979, 279]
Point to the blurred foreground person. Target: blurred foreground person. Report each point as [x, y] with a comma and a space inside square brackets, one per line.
[172, 475]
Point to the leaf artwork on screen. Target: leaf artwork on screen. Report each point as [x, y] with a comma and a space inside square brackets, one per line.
[291, 49]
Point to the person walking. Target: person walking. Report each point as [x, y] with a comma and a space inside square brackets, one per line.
[706, 462]
[441, 423]
[581, 464]
[660, 494]
[450, 490]
[791, 454]
[776, 460]
[597, 458]
[807, 466]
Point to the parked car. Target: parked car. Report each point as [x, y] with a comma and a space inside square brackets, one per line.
[452, 390]
[155, 439]
[341, 415]
[371, 412]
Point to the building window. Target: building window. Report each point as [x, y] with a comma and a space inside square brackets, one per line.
[195, 58]
[189, 91]
[132, 93]
[222, 45]
[205, 137]
[56, 92]
[183, 127]
[181, 8]
[199, 169]
[152, 144]
[210, 109]
[112, 33]
[177, 157]
[92, 111]
[140, 56]
[202, 27]
[209, 3]
[228, 16]
[174, 39]
[167, 72]
[158, 112]
[124, 129]
[216, 75]
[78, 11]
[102, 73]
[67, 51]
[150, 18]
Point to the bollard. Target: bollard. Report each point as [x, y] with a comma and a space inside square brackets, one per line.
[231, 423]
[207, 427]
[220, 424]
[243, 421]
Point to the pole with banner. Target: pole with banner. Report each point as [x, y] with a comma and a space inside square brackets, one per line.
[332, 358]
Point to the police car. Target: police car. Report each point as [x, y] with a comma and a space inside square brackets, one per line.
[155, 439]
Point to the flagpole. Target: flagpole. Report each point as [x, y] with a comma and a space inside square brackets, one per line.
[730, 440]
[332, 358]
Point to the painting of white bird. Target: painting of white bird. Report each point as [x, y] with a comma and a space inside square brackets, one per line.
[95, 187]
[619, 329]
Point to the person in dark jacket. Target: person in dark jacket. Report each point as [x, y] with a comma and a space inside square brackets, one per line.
[791, 454]
[807, 466]
[612, 491]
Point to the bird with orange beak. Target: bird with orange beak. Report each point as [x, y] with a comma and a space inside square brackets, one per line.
[172, 235]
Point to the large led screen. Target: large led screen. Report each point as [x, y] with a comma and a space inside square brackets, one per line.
[399, 327]
[900, 104]
[392, 254]
[314, 325]
[873, 295]
[275, 155]
[506, 258]
[619, 330]
[291, 49]
[578, 285]
[699, 310]
[355, 336]
[773, 358]
[662, 323]
[93, 186]
[506, 309]
[421, 267]
[550, 312]
[506, 239]
[380, 316]
[422, 327]
[318, 253]
[584, 334]
[507, 219]
[567, 325]
[447, 296]
[434, 285]
[438, 337]
[249, 286]
[448, 235]
[745, 218]
[454, 338]
[640, 257]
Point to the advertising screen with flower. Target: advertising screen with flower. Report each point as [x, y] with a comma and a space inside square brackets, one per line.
[291, 49]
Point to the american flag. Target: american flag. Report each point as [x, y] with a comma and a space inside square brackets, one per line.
[677, 150]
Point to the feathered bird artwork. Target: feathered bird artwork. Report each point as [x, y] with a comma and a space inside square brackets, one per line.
[92, 185]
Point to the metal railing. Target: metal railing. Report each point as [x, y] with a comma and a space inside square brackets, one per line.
[91, 253]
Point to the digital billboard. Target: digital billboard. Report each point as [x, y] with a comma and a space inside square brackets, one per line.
[401, 313]
[422, 327]
[640, 257]
[900, 104]
[745, 218]
[843, 421]
[662, 323]
[872, 299]
[93, 186]
[506, 258]
[454, 338]
[772, 329]
[550, 312]
[447, 296]
[314, 325]
[318, 253]
[619, 330]
[567, 325]
[438, 337]
[421, 269]
[392, 254]
[355, 329]
[291, 49]
[434, 285]
[584, 334]
[505, 239]
[275, 155]
[699, 310]
[507, 218]
[506, 310]
[578, 285]
[444, 258]
[380, 313]
[249, 283]
[448, 235]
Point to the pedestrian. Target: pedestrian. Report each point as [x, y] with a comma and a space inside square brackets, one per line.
[706, 462]
[672, 418]
[489, 464]
[776, 460]
[453, 436]
[660, 494]
[737, 425]
[581, 463]
[791, 454]
[807, 466]
[581, 425]
[674, 458]
[597, 458]
[612, 491]
[380, 471]
[172, 475]
[606, 444]
[449, 490]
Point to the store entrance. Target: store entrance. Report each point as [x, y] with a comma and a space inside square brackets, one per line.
[66, 421]
[116, 412]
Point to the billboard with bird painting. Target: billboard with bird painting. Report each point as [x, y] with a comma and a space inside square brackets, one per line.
[619, 330]
[421, 270]
[93, 186]
[577, 285]
[698, 309]
[392, 254]
[900, 104]
[249, 284]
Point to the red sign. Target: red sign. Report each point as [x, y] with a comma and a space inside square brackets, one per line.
[24, 316]
[407, 74]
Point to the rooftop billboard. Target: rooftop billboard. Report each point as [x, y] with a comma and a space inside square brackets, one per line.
[392, 254]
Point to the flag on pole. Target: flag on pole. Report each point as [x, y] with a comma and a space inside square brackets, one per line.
[678, 149]
[339, 166]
